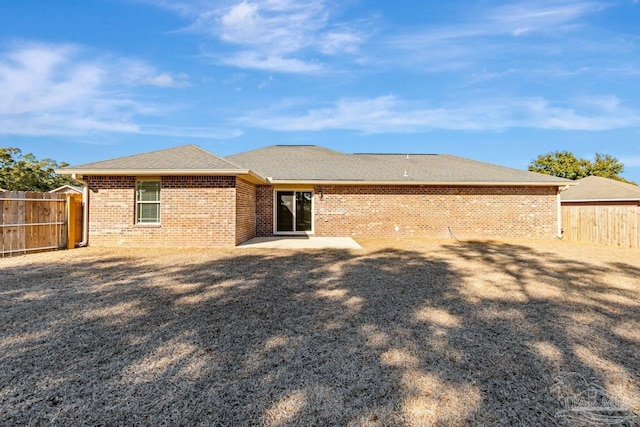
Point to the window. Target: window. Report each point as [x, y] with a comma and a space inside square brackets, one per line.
[148, 202]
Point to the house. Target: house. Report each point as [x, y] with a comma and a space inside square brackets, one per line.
[186, 196]
[67, 189]
[599, 191]
[602, 210]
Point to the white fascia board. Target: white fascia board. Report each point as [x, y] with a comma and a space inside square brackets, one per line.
[430, 183]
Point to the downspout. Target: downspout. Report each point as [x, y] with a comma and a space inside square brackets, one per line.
[559, 210]
[85, 211]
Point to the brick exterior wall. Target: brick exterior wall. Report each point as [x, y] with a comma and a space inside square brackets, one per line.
[264, 210]
[196, 211]
[214, 211]
[417, 211]
[245, 211]
[425, 211]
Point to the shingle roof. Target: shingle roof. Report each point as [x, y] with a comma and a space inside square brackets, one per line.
[304, 163]
[313, 163]
[184, 158]
[597, 188]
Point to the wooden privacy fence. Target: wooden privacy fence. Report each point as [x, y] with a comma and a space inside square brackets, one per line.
[608, 224]
[32, 221]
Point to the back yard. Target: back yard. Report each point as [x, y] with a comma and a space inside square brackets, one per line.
[400, 333]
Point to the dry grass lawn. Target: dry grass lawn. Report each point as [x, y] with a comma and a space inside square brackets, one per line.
[400, 333]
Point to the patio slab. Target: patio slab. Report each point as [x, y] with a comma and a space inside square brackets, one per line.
[301, 242]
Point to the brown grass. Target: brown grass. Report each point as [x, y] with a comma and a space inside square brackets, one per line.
[400, 333]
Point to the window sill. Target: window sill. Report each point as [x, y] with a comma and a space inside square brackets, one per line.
[151, 225]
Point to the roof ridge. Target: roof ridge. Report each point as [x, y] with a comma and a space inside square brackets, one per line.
[216, 156]
[285, 145]
[237, 165]
[398, 154]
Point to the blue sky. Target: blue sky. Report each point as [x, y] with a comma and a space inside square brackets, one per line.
[496, 81]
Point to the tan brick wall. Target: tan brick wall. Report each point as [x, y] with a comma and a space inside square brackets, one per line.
[264, 210]
[245, 211]
[195, 212]
[426, 211]
[224, 211]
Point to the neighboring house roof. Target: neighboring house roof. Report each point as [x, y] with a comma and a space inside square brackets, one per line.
[67, 189]
[596, 188]
[309, 163]
[184, 160]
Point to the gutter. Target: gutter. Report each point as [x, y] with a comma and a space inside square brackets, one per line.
[254, 177]
[431, 183]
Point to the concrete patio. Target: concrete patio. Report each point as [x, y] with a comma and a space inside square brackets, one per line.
[300, 242]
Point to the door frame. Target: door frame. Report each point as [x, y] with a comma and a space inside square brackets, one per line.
[275, 212]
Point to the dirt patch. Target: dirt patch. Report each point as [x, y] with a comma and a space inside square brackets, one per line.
[400, 333]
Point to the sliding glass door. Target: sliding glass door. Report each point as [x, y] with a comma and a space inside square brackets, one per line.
[294, 212]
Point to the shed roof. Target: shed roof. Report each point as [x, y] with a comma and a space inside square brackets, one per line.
[596, 188]
[313, 163]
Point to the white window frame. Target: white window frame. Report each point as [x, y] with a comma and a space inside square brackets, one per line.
[275, 212]
[154, 202]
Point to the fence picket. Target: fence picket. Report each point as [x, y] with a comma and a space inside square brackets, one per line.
[606, 224]
[32, 221]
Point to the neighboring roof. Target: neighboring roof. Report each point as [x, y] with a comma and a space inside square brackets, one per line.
[596, 188]
[187, 160]
[67, 188]
[309, 163]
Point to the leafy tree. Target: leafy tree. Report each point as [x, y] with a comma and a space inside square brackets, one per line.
[606, 166]
[565, 164]
[24, 172]
[562, 164]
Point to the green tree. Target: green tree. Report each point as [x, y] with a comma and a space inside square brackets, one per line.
[606, 166]
[565, 164]
[24, 172]
[562, 164]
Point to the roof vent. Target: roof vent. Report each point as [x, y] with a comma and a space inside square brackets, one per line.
[405, 174]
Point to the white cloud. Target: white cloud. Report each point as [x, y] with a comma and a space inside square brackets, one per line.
[273, 63]
[526, 17]
[277, 27]
[164, 80]
[273, 34]
[389, 114]
[138, 73]
[345, 41]
[189, 131]
[499, 32]
[63, 90]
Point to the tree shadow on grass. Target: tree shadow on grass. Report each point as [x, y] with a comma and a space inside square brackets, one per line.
[472, 333]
